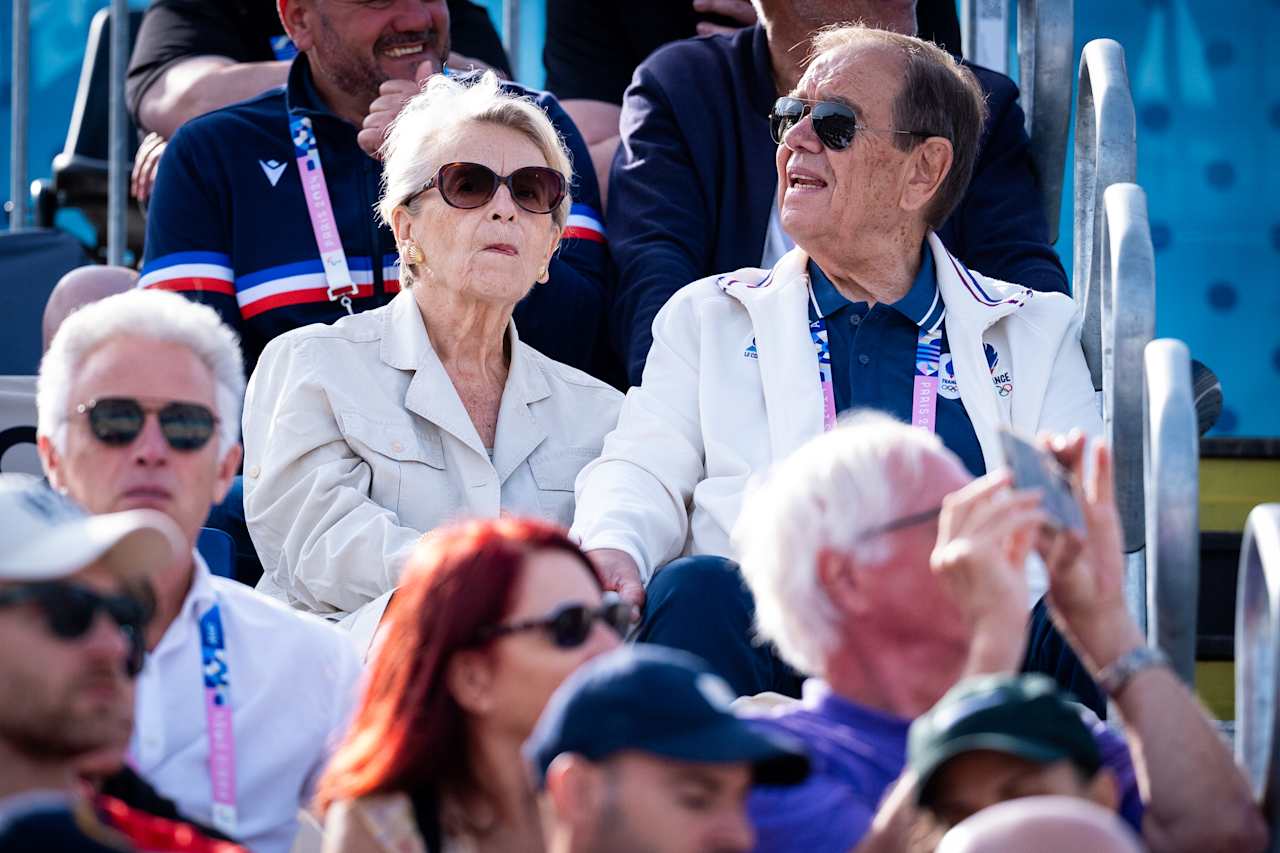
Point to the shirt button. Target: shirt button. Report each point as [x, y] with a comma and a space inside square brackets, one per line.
[254, 472]
[855, 319]
[864, 359]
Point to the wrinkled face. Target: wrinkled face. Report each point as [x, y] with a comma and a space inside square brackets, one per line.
[975, 780]
[65, 698]
[896, 15]
[360, 44]
[658, 805]
[527, 666]
[493, 253]
[825, 197]
[146, 473]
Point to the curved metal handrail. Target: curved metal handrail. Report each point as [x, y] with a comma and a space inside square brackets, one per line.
[1172, 481]
[20, 81]
[1045, 58]
[511, 33]
[1258, 659]
[1128, 319]
[1106, 153]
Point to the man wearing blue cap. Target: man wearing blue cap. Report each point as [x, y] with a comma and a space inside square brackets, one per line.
[638, 751]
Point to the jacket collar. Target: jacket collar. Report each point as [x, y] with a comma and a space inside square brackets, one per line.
[406, 346]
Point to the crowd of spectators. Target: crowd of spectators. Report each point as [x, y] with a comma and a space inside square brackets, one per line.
[695, 534]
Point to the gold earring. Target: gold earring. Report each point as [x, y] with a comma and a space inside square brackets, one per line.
[412, 253]
[546, 275]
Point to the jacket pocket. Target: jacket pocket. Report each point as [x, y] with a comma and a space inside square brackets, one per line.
[393, 452]
[554, 472]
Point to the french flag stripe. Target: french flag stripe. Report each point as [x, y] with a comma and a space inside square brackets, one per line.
[584, 222]
[295, 297]
[170, 277]
[217, 259]
[193, 285]
[274, 293]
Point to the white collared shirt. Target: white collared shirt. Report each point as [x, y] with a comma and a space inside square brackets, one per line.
[292, 684]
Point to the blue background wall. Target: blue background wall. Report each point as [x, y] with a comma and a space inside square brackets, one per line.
[1207, 90]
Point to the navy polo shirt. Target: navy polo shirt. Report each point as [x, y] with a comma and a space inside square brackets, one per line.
[873, 355]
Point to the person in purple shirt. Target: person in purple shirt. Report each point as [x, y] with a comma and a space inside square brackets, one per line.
[880, 566]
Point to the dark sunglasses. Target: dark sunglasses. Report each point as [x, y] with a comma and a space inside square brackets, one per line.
[537, 189]
[834, 123]
[900, 523]
[569, 625]
[69, 611]
[117, 421]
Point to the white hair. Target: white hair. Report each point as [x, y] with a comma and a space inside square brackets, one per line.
[435, 114]
[154, 315]
[821, 498]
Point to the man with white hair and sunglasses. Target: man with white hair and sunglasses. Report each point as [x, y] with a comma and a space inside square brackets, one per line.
[139, 407]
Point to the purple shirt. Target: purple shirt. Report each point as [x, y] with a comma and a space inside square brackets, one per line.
[856, 753]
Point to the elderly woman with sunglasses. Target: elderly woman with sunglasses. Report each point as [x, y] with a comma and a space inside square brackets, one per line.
[875, 149]
[363, 435]
[490, 618]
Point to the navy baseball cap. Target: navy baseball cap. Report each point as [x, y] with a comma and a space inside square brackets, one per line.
[659, 701]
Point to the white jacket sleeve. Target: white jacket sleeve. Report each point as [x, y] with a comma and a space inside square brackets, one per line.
[1070, 401]
[320, 537]
[635, 496]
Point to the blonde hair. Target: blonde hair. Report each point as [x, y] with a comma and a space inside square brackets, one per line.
[434, 115]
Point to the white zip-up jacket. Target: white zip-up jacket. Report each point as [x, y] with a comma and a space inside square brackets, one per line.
[731, 386]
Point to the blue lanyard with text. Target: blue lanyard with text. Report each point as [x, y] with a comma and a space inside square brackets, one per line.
[217, 708]
[924, 397]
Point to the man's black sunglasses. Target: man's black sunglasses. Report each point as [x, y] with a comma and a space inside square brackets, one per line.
[569, 625]
[537, 189]
[117, 421]
[899, 523]
[69, 610]
[834, 123]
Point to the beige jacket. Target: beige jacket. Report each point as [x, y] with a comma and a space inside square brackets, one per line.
[356, 443]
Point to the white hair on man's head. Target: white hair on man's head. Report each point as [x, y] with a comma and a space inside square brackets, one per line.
[153, 315]
[820, 498]
[434, 116]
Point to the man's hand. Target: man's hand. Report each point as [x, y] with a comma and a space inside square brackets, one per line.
[985, 533]
[735, 10]
[145, 164]
[392, 96]
[1086, 574]
[618, 572]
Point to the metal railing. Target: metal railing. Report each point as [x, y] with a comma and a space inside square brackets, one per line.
[1046, 56]
[118, 138]
[19, 104]
[1126, 295]
[1258, 661]
[511, 32]
[1106, 153]
[1045, 61]
[1172, 486]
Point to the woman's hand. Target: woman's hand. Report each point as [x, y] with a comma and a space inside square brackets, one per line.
[618, 572]
[145, 163]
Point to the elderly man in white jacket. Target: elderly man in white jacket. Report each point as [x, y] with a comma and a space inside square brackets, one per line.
[876, 147]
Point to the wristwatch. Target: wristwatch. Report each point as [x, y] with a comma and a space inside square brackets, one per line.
[1115, 675]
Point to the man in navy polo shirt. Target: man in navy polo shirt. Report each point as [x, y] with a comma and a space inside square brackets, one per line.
[231, 226]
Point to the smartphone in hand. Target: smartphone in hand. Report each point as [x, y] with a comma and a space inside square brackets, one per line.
[1034, 468]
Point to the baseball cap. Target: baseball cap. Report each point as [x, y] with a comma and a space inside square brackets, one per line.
[45, 536]
[1024, 716]
[659, 701]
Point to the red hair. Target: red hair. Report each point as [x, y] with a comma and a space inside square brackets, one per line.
[408, 732]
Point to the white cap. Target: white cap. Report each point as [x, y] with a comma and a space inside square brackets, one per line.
[45, 536]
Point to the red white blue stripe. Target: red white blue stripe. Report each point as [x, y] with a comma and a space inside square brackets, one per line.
[584, 222]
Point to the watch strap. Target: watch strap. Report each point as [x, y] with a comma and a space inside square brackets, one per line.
[1115, 675]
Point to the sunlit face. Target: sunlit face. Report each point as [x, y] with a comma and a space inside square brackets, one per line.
[652, 803]
[146, 473]
[360, 44]
[972, 781]
[825, 197]
[65, 698]
[527, 666]
[493, 253]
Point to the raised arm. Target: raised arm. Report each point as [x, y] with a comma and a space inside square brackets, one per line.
[1195, 798]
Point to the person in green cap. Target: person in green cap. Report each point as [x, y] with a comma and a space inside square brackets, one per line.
[1001, 737]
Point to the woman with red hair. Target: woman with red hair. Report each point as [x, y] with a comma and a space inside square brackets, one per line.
[489, 618]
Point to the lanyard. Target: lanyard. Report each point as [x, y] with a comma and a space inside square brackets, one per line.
[217, 709]
[323, 224]
[924, 397]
